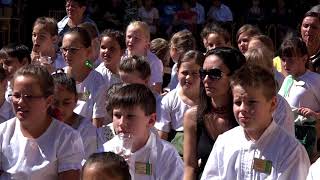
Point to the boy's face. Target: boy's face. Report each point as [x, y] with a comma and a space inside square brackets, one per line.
[110, 52]
[11, 65]
[42, 39]
[134, 121]
[295, 65]
[215, 40]
[133, 77]
[136, 42]
[64, 102]
[252, 109]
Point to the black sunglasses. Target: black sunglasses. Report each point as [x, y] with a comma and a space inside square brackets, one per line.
[212, 74]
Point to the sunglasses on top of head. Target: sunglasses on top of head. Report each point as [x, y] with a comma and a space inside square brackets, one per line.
[214, 74]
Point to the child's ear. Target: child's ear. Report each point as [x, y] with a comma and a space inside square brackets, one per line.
[49, 101]
[152, 120]
[273, 103]
[146, 81]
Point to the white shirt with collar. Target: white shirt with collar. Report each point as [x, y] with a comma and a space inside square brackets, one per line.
[57, 150]
[314, 173]
[232, 156]
[164, 159]
[109, 77]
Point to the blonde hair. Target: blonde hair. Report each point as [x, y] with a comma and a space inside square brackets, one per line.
[144, 27]
[183, 41]
[260, 56]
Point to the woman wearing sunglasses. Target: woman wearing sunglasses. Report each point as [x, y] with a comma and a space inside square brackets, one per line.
[213, 115]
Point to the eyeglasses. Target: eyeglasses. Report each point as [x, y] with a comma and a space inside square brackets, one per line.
[71, 50]
[214, 74]
[27, 98]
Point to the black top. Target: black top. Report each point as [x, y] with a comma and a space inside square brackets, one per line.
[204, 146]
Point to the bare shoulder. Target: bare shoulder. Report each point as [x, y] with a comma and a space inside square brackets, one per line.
[190, 117]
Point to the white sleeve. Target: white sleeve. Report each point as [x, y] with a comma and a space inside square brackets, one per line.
[70, 153]
[99, 108]
[156, 70]
[164, 121]
[212, 167]
[89, 138]
[314, 173]
[296, 165]
[283, 115]
[173, 166]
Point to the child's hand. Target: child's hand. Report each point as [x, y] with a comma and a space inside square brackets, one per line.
[306, 112]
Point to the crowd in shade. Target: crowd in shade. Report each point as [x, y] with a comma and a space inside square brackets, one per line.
[177, 90]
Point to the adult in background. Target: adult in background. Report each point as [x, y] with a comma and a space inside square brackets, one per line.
[76, 14]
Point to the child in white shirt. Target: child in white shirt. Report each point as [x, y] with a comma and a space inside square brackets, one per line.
[65, 99]
[258, 148]
[134, 113]
[33, 144]
[6, 111]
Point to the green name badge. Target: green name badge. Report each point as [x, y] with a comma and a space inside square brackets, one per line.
[143, 168]
[262, 165]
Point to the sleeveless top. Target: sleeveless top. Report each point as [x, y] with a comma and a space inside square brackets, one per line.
[204, 146]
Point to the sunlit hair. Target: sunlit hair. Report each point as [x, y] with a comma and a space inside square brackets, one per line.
[261, 56]
[40, 73]
[248, 29]
[255, 76]
[137, 64]
[18, 51]
[143, 27]
[48, 23]
[293, 46]
[183, 41]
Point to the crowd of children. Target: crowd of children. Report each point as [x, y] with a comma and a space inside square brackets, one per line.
[96, 108]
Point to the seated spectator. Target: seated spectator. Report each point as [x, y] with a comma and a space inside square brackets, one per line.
[134, 112]
[76, 14]
[167, 10]
[45, 41]
[244, 34]
[251, 152]
[185, 18]
[149, 14]
[33, 144]
[105, 166]
[6, 111]
[219, 12]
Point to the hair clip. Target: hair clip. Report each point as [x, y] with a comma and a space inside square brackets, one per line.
[88, 64]
[58, 71]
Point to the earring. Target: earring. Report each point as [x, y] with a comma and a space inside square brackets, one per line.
[88, 64]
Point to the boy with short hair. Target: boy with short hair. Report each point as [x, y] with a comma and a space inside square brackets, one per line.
[13, 56]
[258, 148]
[138, 42]
[134, 112]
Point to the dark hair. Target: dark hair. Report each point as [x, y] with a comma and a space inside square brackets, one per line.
[91, 28]
[80, 2]
[2, 74]
[83, 34]
[116, 35]
[231, 57]
[40, 73]
[110, 91]
[61, 78]
[110, 163]
[255, 76]
[132, 95]
[312, 13]
[211, 28]
[136, 64]
[293, 46]
[191, 55]
[18, 51]
[50, 25]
